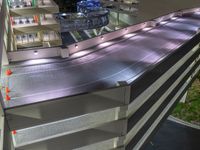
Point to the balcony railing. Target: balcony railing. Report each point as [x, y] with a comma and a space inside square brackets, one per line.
[80, 21]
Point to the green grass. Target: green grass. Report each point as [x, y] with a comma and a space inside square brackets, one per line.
[190, 111]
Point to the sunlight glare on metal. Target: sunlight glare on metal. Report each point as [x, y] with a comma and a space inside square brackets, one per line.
[197, 13]
[173, 18]
[80, 14]
[105, 44]
[163, 22]
[80, 54]
[147, 29]
[37, 61]
[129, 35]
[64, 14]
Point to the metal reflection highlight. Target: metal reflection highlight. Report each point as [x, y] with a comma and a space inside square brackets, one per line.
[105, 44]
[80, 54]
[147, 29]
[129, 35]
[163, 22]
[174, 18]
[197, 13]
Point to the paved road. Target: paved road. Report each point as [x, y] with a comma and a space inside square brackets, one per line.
[125, 60]
[174, 136]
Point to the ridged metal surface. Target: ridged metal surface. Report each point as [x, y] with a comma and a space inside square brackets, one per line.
[150, 112]
[122, 61]
[156, 122]
[105, 145]
[141, 99]
[84, 140]
[63, 127]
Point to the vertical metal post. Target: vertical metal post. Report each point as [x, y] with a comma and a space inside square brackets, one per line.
[183, 99]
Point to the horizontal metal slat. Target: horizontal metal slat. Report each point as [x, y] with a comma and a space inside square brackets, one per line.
[142, 98]
[156, 122]
[63, 127]
[150, 112]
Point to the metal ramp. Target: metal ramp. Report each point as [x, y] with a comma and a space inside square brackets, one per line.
[112, 99]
